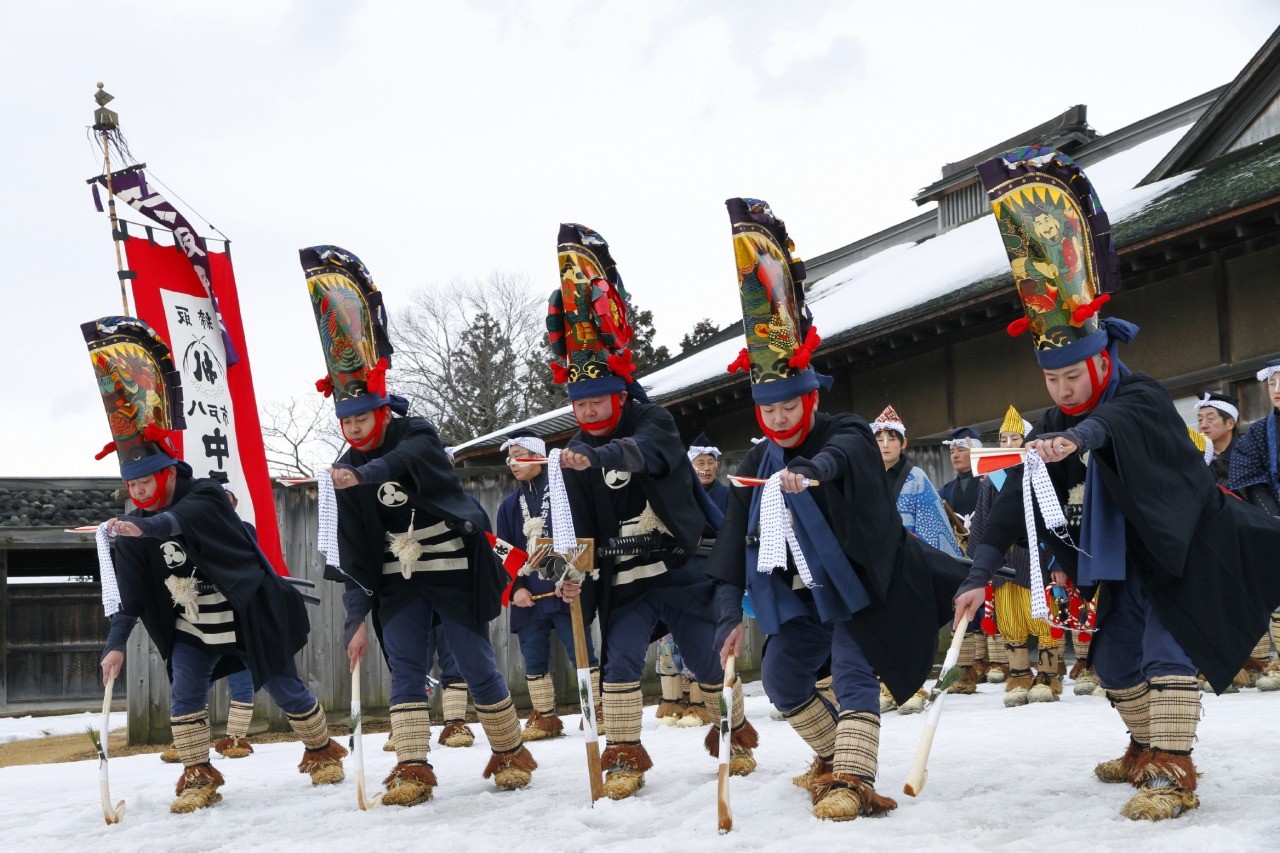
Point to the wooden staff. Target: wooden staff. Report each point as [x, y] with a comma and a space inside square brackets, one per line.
[112, 814]
[724, 814]
[357, 743]
[587, 696]
[919, 767]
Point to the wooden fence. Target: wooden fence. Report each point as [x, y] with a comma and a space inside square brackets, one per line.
[51, 631]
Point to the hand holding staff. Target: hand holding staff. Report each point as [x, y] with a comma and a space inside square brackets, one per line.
[919, 767]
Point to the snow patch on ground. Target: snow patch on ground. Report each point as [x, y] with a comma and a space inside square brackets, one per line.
[27, 728]
[1000, 778]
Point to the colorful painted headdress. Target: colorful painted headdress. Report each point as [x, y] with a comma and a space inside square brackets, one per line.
[1058, 239]
[141, 391]
[1228, 405]
[888, 419]
[353, 330]
[779, 328]
[587, 321]
[702, 446]
[1015, 422]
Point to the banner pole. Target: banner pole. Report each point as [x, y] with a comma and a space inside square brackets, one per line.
[104, 122]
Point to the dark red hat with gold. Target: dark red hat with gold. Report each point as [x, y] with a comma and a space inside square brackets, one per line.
[353, 330]
[588, 327]
[1058, 239]
[141, 391]
[778, 325]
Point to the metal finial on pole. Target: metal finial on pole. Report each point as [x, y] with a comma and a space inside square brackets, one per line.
[106, 121]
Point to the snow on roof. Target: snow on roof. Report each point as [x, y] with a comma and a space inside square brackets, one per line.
[907, 275]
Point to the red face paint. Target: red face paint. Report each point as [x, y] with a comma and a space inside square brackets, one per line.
[162, 489]
[379, 418]
[801, 428]
[1095, 384]
[606, 426]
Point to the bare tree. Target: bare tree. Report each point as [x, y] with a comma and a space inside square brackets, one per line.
[452, 337]
[301, 435]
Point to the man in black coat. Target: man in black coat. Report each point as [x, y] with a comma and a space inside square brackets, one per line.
[1188, 573]
[626, 474]
[829, 568]
[188, 568]
[412, 544]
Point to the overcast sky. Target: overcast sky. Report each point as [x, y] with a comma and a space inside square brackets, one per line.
[443, 140]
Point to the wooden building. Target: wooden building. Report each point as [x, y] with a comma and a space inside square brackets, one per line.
[914, 315]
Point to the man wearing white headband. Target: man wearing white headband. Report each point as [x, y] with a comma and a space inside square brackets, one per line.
[961, 494]
[536, 612]
[1216, 418]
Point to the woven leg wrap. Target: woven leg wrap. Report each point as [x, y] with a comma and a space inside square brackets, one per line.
[623, 709]
[543, 722]
[1275, 629]
[542, 693]
[599, 696]
[857, 745]
[998, 651]
[191, 738]
[671, 688]
[1174, 712]
[1133, 705]
[322, 758]
[453, 702]
[968, 648]
[1262, 651]
[239, 716]
[1080, 646]
[234, 745]
[1047, 662]
[311, 727]
[816, 725]
[411, 722]
[501, 725]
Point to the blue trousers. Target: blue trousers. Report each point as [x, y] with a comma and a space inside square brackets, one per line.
[449, 672]
[793, 657]
[193, 664]
[1132, 645]
[409, 640]
[535, 642]
[626, 640]
[241, 686]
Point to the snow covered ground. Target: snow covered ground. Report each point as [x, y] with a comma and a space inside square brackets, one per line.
[26, 728]
[1000, 778]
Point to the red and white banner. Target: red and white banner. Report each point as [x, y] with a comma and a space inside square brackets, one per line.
[223, 433]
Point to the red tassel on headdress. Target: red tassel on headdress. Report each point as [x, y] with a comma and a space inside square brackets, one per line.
[376, 380]
[1084, 312]
[108, 448]
[742, 362]
[988, 611]
[158, 434]
[325, 385]
[800, 361]
[1018, 327]
[559, 372]
[621, 364]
